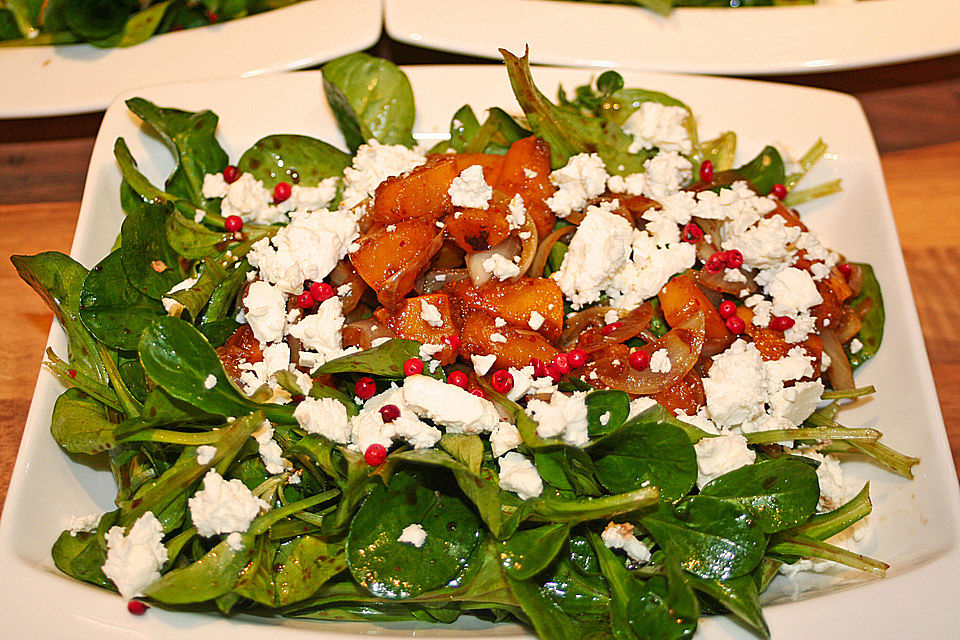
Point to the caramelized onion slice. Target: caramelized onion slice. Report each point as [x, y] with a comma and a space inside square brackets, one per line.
[632, 323]
[683, 344]
[401, 282]
[437, 279]
[544, 249]
[362, 333]
[529, 240]
[839, 373]
[716, 282]
[342, 274]
[508, 249]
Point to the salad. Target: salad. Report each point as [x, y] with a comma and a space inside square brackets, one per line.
[315, 409]
[114, 23]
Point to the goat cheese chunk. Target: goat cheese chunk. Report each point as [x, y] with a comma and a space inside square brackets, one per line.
[621, 536]
[517, 474]
[223, 506]
[324, 416]
[564, 416]
[374, 163]
[458, 410]
[470, 189]
[583, 178]
[718, 455]
[134, 559]
[658, 125]
[414, 535]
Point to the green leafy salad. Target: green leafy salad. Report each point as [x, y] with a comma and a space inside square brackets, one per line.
[114, 23]
[572, 369]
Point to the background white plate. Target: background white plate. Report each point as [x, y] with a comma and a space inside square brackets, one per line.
[77, 78]
[916, 522]
[756, 40]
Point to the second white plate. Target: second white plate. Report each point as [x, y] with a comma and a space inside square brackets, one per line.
[746, 41]
[79, 78]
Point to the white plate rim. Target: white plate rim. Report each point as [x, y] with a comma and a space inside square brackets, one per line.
[755, 41]
[89, 611]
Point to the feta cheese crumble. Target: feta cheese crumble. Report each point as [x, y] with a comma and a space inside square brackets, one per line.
[413, 535]
[621, 536]
[223, 506]
[470, 189]
[517, 474]
[584, 177]
[134, 559]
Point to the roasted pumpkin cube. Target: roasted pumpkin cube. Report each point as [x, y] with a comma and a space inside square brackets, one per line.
[490, 162]
[515, 302]
[526, 171]
[420, 193]
[389, 259]
[772, 345]
[427, 319]
[514, 347]
[680, 298]
[477, 229]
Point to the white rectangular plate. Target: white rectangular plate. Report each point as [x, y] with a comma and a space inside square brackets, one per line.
[916, 523]
[746, 41]
[78, 78]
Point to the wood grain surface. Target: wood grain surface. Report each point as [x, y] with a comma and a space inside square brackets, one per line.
[913, 109]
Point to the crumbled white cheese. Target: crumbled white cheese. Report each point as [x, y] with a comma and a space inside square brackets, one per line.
[583, 178]
[368, 427]
[374, 163]
[171, 306]
[639, 405]
[457, 409]
[765, 245]
[134, 559]
[665, 173]
[470, 189]
[660, 361]
[430, 314]
[497, 337]
[235, 541]
[525, 383]
[324, 416]
[210, 381]
[855, 346]
[516, 212]
[500, 267]
[205, 454]
[265, 311]
[718, 455]
[482, 364]
[536, 321]
[268, 448]
[632, 184]
[796, 403]
[621, 536]
[320, 331]
[504, 437]
[564, 416]
[83, 524]
[414, 535]
[428, 350]
[223, 506]
[736, 386]
[793, 292]
[658, 125]
[517, 474]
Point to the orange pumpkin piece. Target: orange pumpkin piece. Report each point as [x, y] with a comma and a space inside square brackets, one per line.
[420, 193]
[686, 394]
[477, 229]
[771, 344]
[526, 171]
[389, 261]
[514, 347]
[515, 302]
[680, 298]
[240, 347]
[412, 321]
[490, 162]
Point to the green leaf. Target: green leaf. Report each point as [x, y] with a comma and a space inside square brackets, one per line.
[59, 280]
[391, 569]
[871, 299]
[528, 552]
[194, 299]
[709, 537]
[97, 19]
[465, 449]
[602, 403]
[651, 453]
[191, 136]
[213, 575]
[140, 27]
[779, 493]
[192, 240]
[720, 151]
[305, 564]
[81, 556]
[178, 358]
[80, 425]
[547, 618]
[764, 171]
[739, 596]
[384, 360]
[370, 98]
[570, 132]
[149, 262]
[495, 135]
[293, 159]
[112, 309]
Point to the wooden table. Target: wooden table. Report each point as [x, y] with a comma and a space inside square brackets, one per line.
[913, 109]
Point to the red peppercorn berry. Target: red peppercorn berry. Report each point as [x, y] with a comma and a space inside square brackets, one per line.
[452, 341]
[211, 16]
[230, 174]
[412, 367]
[281, 192]
[846, 269]
[502, 381]
[554, 373]
[321, 291]
[610, 328]
[706, 171]
[735, 324]
[691, 233]
[375, 455]
[539, 368]
[389, 412]
[72, 373]
[727, 309]
[562, 364]
[233, 223]
[458, 379]
[306, 301]
[577, 358]
[365, 388]
[136, 607]
[778, 191]
[715, 263]
[639, 359]
[733, 258]
[781, 323]
[480, 393]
